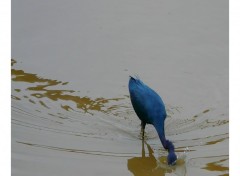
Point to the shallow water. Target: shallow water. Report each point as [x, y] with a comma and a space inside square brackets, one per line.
[71, 113]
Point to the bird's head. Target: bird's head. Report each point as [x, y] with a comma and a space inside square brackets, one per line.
[172, 157]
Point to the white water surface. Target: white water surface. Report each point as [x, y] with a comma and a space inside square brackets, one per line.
[71, 113]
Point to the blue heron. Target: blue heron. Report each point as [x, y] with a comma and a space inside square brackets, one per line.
[150, 109]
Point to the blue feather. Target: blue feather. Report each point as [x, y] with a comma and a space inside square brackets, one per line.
[150, 109]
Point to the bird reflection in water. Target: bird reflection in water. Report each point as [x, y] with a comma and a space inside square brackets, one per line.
[149, 165]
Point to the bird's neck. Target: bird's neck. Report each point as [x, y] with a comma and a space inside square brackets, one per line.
[160, 130]
[168, 145]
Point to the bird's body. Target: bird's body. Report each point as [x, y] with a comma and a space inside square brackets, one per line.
[150, 109]
[147, 104]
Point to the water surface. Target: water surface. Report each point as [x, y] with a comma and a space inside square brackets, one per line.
[71, 113]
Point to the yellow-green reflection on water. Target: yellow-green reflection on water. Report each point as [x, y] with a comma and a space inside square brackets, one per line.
[149, 165]
[38, 90]
[216, 166]
[44, 89]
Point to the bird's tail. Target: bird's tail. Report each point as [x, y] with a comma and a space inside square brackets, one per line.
[131, 77]
[136, 79]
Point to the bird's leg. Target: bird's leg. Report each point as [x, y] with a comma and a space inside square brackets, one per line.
[150, 150]
[143, 149]
[143, 124]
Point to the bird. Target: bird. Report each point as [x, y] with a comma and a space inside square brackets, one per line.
[150, 109]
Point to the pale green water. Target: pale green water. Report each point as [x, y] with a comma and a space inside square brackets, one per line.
[71, 113]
